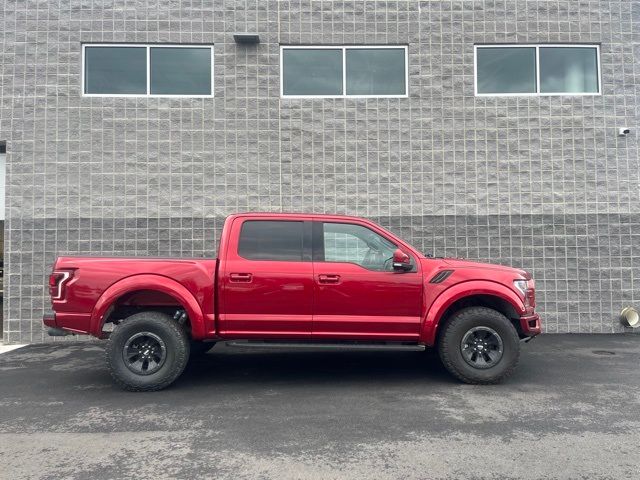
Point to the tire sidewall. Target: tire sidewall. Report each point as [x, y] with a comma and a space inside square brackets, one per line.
[464, 321]
[177, 351]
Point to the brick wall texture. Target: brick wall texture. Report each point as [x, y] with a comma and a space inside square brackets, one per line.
[544, 183]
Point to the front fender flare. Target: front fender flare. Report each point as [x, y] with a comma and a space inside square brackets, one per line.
[149, 282]
[459, 291]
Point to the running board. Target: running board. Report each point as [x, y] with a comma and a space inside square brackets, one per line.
[408, 347]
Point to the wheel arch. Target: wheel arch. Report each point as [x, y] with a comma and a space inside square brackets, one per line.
[473, 293]
[139, 289]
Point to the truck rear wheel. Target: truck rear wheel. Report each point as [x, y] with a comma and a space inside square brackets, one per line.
[147, 352]
[479, 345]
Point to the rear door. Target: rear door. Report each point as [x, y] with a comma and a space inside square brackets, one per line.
[358, 294]
[266, 279]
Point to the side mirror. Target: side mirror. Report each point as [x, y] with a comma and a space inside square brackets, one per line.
[401, 261]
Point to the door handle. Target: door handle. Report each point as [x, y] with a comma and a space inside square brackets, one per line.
[328, 278]
[240, 277]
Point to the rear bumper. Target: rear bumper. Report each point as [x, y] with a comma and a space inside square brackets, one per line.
[49, 319]
[71, 322]
[530, 325]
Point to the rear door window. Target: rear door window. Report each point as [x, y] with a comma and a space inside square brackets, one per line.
[271, 240]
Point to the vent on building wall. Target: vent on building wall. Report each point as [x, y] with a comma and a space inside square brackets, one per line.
[246, 38]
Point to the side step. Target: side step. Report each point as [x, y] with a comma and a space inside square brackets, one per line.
[405, 347]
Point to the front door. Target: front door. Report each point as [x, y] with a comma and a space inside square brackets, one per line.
[358, 295]
[266, 280]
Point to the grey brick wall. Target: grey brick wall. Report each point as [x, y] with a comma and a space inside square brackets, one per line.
[543, 183]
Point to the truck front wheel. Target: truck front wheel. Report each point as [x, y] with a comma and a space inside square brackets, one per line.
[147, 352]
[479, 345]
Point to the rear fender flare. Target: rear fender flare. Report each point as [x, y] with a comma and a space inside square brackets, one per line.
[149, 282]
[460, 291]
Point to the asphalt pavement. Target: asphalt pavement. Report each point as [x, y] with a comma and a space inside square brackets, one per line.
[572, 410]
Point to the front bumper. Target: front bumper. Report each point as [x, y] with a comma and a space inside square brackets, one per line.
[530, 325]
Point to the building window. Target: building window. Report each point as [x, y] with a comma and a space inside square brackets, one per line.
[362, 71]
[506, 70]
[537, 69]
[568, 70]
[147, 70]
[312, 71]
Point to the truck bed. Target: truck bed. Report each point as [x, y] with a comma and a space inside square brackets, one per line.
[93, 279]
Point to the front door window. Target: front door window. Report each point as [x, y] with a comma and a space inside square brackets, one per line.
[344, 242]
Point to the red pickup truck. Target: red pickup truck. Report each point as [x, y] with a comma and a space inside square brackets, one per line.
[295, 281]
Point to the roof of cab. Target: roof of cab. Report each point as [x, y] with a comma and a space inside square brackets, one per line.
[297, 215]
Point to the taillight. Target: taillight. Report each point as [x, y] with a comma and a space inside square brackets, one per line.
[57, 281]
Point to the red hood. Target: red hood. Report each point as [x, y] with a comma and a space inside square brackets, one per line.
[461, 263]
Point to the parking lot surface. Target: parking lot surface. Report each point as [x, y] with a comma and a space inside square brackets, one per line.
[572, 410]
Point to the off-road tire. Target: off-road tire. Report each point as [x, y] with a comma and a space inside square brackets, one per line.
[172, 334]
[450, 350]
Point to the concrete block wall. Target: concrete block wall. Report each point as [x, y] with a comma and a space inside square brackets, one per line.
[542, 183]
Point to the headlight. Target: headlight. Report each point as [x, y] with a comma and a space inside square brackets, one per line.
[521, 285]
